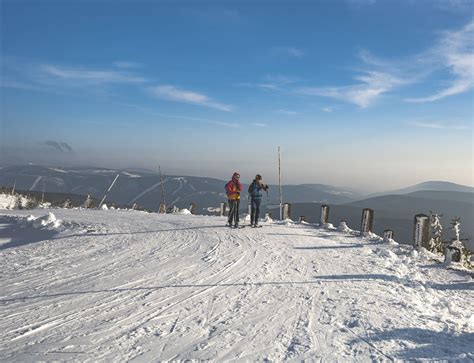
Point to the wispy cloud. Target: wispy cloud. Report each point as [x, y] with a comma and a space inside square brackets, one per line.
[231, 125]
[173, 93]
[126, 64]
[84, 75]
[187, 118]
[288, 51]
[271, 82]
[286, 112]
[328, 109]
[438, 125]
[59, 146]
[260, 124]
[455, 52]
[371, 85]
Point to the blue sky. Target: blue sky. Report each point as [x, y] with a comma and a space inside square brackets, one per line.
[367, 94]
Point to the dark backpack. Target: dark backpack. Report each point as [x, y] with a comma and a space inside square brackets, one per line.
[251, 188]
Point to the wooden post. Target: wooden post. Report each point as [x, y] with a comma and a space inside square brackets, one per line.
[421, 231]
[286, 211]
[192, 208]
[223, 209]
[388, 235]
[162, 209]
[302, 219]
[324, 217]
[367, 221]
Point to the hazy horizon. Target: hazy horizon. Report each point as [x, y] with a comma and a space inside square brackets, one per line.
[367, 95]
[246, 178]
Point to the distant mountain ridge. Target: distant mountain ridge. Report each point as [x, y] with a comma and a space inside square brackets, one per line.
[429, 186]
[144, 187]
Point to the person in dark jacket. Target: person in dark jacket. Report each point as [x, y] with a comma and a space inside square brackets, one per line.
[233, 189]
[255, 192]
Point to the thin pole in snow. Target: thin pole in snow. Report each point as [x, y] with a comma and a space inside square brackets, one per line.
[42, 195]
[13, 194]
[14, 185]
[162, 187]
[279, 184]
[107, 192]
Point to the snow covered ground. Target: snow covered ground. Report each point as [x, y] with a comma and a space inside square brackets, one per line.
[115, 285]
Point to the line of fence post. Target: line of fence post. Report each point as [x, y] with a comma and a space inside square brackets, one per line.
[162, 209]
[286, 211]
[223, 209]
[388, 235]
[367, 221]
[421, 231]
[324, 216]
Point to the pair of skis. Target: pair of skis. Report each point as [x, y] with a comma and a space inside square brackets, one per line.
[243, 226]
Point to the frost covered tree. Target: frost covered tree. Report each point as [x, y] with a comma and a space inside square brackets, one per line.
[67, 203]
[19, 202]
[436, 241]
[89, 202]
[454, 251]
[15, 202]
[31, 203]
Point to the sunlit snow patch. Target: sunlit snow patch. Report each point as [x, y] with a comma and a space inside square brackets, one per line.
[48, 220]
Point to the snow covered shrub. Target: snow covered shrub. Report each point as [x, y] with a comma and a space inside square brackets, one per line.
[31, 203]
[67, 203]
[89, 202]
[454, 251]
[436, 241]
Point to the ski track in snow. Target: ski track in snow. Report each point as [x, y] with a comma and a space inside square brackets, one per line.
[122, 285]
[154, 186]
[35, 183]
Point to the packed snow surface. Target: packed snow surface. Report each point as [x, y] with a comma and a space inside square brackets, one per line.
[120, 285]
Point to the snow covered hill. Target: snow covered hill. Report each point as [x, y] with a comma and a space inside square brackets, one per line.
[94, 285]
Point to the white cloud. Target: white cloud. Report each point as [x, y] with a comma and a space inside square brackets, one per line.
[438, 125]
[327, 109]
[231, 125]
[455, 53]
[88, 75]
[272, 82]
[288, 51]
[371, 85]
[172, 93]
[181, 117]
[259, 124]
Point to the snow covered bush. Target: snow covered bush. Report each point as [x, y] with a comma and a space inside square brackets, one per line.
[89, 202]
[454, 251]
[436, 241]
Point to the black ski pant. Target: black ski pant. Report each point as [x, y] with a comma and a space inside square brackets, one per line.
[255, 210]
[234, 205]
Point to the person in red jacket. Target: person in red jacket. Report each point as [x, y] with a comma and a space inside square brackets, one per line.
[233, 189]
